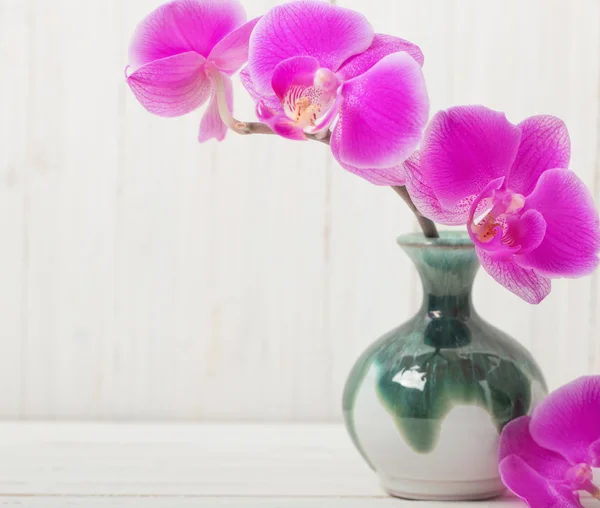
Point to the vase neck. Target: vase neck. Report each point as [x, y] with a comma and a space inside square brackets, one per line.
[447, 268]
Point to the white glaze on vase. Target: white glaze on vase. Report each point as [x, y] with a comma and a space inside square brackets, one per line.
[463, 465]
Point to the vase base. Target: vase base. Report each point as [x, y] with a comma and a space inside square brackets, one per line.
[431, 490]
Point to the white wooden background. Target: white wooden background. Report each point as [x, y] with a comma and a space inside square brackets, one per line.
[144, 276]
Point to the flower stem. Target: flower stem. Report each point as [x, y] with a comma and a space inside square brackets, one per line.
[428, 226]
[246, 128]
[592, 489]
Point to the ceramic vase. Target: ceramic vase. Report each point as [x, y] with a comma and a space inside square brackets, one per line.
[424, 405]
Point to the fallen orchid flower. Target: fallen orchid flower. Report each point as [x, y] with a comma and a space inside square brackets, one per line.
[530, 217]
[332, 68]
[183, 54]
[546, 458]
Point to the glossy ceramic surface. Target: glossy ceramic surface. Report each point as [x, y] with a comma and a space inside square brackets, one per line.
[425, 404]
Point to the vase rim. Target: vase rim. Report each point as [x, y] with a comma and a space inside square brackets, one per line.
[446, 240]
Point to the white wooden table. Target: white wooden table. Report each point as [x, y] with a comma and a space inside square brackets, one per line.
[181, 466]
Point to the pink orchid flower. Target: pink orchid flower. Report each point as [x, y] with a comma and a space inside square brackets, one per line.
[546, 458]
[184, 53]
[530, 217]
[312, 63]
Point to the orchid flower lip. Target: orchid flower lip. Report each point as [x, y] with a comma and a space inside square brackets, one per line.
[309, 94]
[483, 228]
[503, 203]
[496, 223]
[579, 476]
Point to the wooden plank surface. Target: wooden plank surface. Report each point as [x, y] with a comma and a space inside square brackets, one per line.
[190, 502]
[243, 466]
[105, 465]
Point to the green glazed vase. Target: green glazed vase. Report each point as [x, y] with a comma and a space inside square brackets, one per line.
[425, 404]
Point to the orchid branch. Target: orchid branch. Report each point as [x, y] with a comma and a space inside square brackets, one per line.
[247, 128]
[427, 225]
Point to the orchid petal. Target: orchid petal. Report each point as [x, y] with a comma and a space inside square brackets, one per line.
[172, 86]
[533, 488]
[314, 28]
[568, 421]
[464, 149]
[526, 284]
[294, 72]
[594, 454]
[516, 440]
[378, 176]
[212, 125]
[231, 52]
[572, 241]
[425, 199]
[309, 95]
[270, 101]
[383, 45]
[384, 113]
[182, 26]
[527, 231]
[545, 144]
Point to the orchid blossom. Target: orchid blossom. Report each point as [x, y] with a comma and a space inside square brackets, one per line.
[313, 65]
[319, 71]
[530, 217]
[546, 458]
[184, 53]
